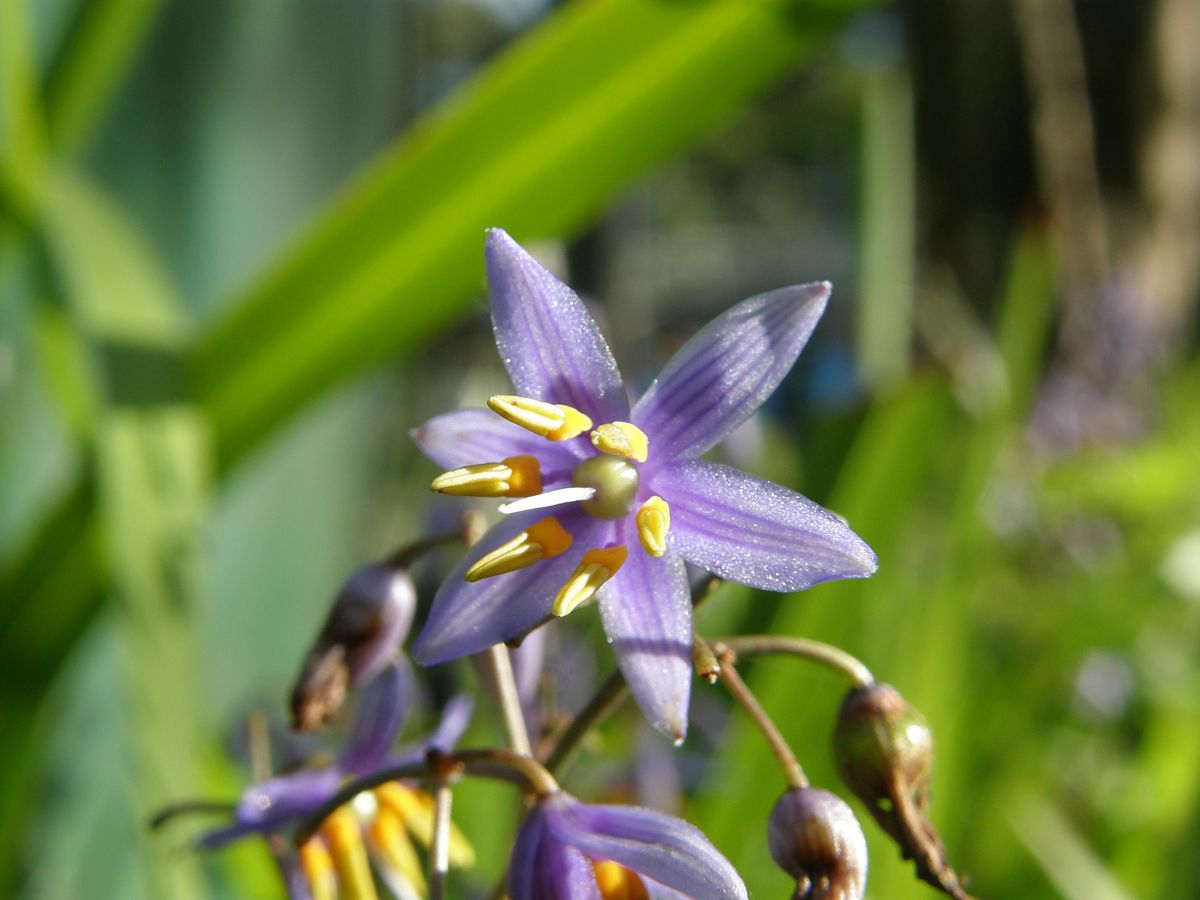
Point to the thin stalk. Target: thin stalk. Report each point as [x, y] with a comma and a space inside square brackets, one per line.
[783, 753]
[497, 665]
[405, 556]
[439, 847]
[500, 764]
[607, 698]
[827, 655]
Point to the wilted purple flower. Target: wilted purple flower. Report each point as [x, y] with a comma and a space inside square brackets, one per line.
[566, 849]
[624, 509]
[365, 626]
[380, 820]
[814, 837]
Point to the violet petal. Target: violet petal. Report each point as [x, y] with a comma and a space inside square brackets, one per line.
[380, 713]
[724, 373]
[651, 843]
[468, 617]
[271, 803]
[548, 341]
[647, 614]
[466, 437]
[756, 532]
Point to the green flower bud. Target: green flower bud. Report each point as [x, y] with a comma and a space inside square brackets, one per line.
[881, 741]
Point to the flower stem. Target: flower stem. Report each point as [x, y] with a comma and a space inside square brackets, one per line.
[497, 666]
[607, 698]
[831, 657]
[742, 694]
[492, 762]
[439, 846]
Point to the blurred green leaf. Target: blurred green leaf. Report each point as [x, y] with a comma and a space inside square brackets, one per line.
[22, 135]
[151, 465]
[99, 49]
[536, 144]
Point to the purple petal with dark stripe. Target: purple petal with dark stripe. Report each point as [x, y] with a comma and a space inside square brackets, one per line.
[651, 843]
[547, 339]
[377, 719]
[468, 617]
[467, 437]
[756, 532]
[647, 614]
[723, 374]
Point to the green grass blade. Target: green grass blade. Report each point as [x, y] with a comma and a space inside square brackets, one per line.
[536, 144]
[99, 49]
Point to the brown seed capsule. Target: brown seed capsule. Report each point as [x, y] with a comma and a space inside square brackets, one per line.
[368, 621]
[815, 838]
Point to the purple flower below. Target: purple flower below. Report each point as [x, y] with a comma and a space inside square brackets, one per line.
[617, 516]
[567, 850]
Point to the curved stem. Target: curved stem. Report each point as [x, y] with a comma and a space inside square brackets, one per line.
[779, 746]
[500, 764]
[827, 655]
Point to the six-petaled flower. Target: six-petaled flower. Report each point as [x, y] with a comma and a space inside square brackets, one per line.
[609, 499]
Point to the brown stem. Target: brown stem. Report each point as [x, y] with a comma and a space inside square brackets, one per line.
[607, 698]
[742, 694]
[831, 657]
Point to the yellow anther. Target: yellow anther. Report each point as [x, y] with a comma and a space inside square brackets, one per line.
[517, 476]
[553, 421]
[344, 837]
[415, 810]
[621, 439]
[596, 567]
[391, 842]
[317, 866]
[542, 540]
[653, 523]
[618, 883]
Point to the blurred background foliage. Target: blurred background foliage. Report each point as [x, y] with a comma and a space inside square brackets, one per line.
[240, 255]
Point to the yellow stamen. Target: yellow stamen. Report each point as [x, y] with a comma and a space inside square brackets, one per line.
[317, 866]
[517, 476]
[553, 421]
[596, 567]
[618, 883]
[415, 809]
[542, 540]
[621, 439]
[344, 837]
[653, 523]
[393, 845]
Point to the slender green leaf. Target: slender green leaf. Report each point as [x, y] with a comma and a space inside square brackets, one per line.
[99, 49]
[536, 144]
[21, 127]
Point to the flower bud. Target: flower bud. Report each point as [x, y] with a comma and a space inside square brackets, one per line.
[884, 752]
[368, 621]
[880, 738]
[815, 838]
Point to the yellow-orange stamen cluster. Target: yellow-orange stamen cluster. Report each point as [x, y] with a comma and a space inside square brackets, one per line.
[516, 476]
[622, 439]
[619, 883]
[596, 567]
[544, 539]
[653, 523]
[553, 421]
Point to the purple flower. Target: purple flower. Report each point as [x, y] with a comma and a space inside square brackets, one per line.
[379, 821]
[610, 496]
[567, 850]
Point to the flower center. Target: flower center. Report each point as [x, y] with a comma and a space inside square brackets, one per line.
[615, 481]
